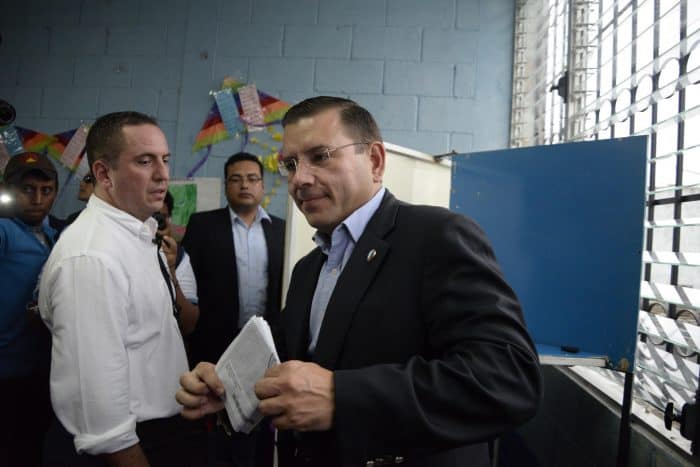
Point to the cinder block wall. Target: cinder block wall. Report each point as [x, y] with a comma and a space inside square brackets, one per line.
[436, 73]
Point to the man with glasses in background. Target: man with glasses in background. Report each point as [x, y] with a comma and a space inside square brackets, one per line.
[87, 186]
[236, 253]
[403, 342]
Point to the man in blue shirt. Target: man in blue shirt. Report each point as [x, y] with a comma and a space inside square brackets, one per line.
[25, 242]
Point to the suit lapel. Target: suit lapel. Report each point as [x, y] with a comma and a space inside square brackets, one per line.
[274, 258]
[274, 268]
[226, 242]
[357, 276]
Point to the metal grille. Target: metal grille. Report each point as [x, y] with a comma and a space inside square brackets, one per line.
[633, 67]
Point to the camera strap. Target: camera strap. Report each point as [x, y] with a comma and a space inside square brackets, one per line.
[166, 277]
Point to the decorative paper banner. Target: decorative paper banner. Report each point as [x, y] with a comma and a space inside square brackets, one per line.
[11, 140]
[227, 110]
[273, 109]
[71, 154]
[252, 113]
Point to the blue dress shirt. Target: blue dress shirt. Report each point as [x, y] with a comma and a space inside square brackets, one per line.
[337, 249]
[251, 264]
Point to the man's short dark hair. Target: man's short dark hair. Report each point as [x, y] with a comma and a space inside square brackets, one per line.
[169, 201]
[356, 119]
[105, 140]
[243, 156]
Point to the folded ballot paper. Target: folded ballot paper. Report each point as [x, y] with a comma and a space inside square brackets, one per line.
[243, 363]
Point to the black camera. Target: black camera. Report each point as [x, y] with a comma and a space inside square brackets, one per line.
[160, 218]
[162, 223]
[7, 113]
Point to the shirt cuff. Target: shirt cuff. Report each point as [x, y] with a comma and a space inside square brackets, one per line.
[116, 439]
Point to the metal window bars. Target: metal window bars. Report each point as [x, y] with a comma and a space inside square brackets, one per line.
[630, 67]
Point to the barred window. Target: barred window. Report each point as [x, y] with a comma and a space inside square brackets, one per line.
[596, 69]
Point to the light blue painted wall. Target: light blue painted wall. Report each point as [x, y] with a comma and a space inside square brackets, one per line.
[436, 73]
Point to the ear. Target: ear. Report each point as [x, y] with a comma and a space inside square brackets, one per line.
[101, 171]
[377, 157]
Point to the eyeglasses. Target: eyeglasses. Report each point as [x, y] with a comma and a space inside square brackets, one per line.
[87, 179]
[238, 180]
[316, 160]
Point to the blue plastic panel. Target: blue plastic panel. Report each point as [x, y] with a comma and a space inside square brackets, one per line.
[566, 222]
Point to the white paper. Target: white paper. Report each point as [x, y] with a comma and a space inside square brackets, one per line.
[243, 363]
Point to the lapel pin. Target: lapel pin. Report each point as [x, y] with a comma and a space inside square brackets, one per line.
[371, 255]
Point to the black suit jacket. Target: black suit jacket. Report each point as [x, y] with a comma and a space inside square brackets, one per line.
[209, 242]
[427, 342]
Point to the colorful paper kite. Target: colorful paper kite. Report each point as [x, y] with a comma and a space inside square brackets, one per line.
[34, 141]
[56, 147]
[213, 130]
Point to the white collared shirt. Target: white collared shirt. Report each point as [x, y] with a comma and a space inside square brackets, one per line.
[185, 276]
[117, 351]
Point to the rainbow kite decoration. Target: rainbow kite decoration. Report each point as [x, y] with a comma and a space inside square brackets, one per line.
[34, 141]
[53, 145]
[58, 145]
[214, 130]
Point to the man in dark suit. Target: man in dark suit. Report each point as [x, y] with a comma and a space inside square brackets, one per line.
[404, 344]
[236, 256]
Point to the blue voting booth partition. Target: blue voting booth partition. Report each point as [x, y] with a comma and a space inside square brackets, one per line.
[566, 223]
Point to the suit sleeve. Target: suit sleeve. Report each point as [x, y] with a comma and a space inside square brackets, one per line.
[482, 377]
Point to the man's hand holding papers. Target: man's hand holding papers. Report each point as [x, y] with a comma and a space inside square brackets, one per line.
[243, 363]
[250, 383]
[201, 392]
[298, 395]
[208, 389]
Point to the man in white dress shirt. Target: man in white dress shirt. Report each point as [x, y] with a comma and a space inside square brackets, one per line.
[117, 350]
